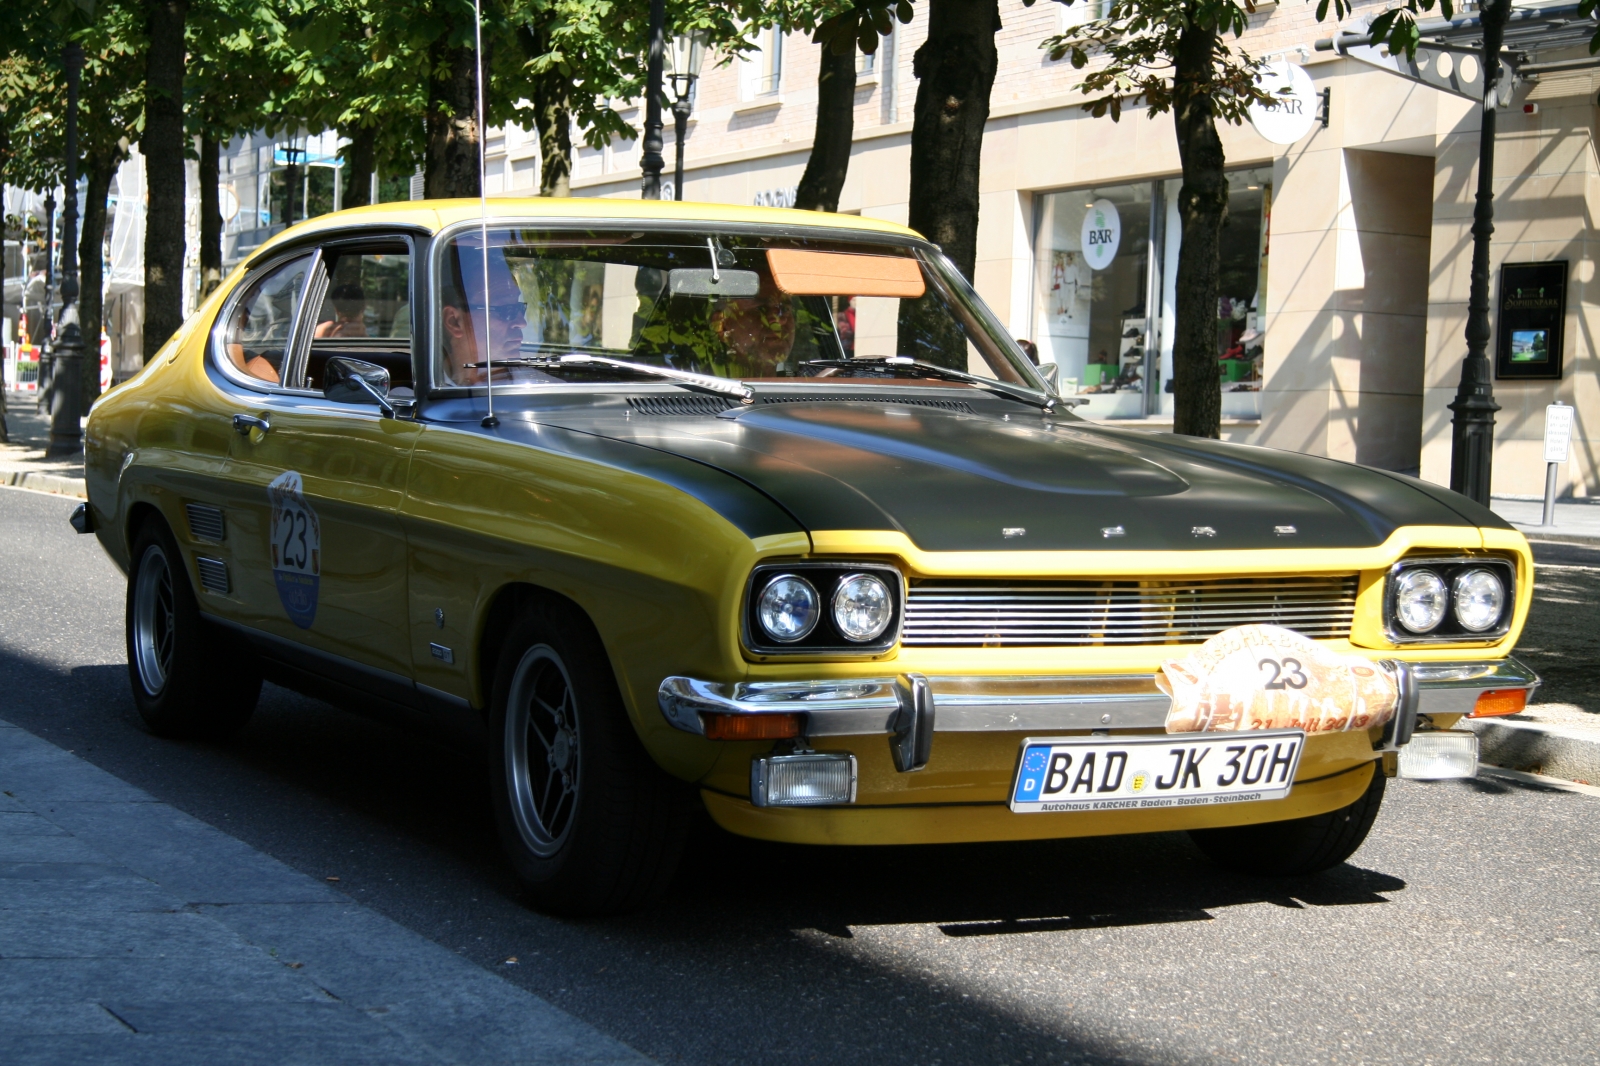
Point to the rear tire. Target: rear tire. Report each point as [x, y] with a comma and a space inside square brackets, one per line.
[590, 823]
[189, 679]
[1293, 848]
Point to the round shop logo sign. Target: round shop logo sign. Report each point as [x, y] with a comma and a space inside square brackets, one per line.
[296, 549]
[1102, 232]
[1294, 108]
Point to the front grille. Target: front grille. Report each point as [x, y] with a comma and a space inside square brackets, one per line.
[1087, 613]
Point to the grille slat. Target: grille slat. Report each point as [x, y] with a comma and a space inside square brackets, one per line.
[680, 405]
[904, 401]
[206, 522]
[1088, 613]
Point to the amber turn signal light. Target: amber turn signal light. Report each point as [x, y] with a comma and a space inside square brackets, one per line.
[1500, 701]
[751, 726]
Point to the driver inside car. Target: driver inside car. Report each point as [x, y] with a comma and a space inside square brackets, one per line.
[461, 320]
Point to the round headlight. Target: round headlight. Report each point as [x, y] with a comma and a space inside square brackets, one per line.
[1419, 600]
[1479, 597]
[862, 607]
[788, 608]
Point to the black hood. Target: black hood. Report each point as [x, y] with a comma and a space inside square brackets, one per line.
[957, 481]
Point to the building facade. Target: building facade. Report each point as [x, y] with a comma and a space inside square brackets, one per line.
[1346, 256]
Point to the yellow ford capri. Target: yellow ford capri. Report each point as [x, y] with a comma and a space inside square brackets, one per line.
[665, 504]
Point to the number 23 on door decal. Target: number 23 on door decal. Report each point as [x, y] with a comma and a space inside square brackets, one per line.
[296, 548]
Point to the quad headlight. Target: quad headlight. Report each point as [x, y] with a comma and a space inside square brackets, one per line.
[1420, 600]
[1479, 597]
[821, 607]
[1449, 599]
[788, 608]
[862, 607]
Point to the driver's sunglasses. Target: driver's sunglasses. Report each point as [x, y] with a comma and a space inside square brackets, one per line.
[509, 314]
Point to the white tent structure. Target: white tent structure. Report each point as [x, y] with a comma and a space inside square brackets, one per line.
[124, 300]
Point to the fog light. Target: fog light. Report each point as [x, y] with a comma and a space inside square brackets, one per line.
[1438, 756]
[815, 779]
[751, 726]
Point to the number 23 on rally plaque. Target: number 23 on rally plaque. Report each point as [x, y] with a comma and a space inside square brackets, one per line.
[1098, 773]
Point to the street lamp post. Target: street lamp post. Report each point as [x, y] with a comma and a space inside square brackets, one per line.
[66, 388]
[650, 160]
[1472, 422]
[688, 52]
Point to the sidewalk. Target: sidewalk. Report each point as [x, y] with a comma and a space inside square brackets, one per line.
[1575, 520]
[23, 463]
[130, 932]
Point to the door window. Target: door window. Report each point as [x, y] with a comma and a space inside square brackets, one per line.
[365, 312]
[259, 327]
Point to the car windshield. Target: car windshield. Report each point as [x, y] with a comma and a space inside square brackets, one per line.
[737, 305]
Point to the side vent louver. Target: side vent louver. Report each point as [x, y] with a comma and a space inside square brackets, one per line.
[205, 522]
[680, 405]
[213, 574]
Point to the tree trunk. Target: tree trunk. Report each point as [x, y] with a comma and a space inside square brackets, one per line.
[955, 70]
[91, 262]
[554, 120]
[452, 166]
[823, 180]
[362, 157]
[163, 148]
[1202, 210]
[210, 215]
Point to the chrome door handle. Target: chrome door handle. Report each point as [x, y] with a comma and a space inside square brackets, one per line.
[243, 424]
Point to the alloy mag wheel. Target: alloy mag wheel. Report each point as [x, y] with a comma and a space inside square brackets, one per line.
[154, 620]
[541, 750]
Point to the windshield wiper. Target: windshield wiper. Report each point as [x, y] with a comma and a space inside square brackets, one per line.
[707, 382]
[1020, 393]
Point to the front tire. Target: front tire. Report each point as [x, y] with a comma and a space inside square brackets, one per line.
[591, 825]
[188, 679]
[1297, 847]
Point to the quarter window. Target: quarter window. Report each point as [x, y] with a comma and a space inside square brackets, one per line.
[258, 331]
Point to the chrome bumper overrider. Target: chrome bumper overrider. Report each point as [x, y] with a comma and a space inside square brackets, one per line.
[1041, 705]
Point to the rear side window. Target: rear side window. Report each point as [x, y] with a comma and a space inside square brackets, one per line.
[258, 329]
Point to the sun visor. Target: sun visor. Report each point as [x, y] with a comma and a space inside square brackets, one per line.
[802, 272]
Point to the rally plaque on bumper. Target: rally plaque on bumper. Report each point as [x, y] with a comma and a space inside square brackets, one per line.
[1175, 770]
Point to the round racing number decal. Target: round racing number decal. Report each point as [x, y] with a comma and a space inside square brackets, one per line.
[296, 549]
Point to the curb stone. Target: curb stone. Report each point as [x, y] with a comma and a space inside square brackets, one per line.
[41, 482]
[1542, 749]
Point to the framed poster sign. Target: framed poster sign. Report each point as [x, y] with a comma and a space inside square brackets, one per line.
[1533, 311]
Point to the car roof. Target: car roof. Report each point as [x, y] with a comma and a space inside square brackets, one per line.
[435, 215]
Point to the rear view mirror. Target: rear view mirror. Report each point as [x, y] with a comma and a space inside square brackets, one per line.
[346, 380]
[698, 281]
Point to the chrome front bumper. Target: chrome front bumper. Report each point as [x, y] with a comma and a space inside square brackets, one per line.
[917, 704]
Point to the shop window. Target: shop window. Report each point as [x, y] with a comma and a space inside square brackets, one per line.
[1108, 320]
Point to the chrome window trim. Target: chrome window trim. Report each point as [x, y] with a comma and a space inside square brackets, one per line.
[297, 350]
[219, 325]
[1398, 635]
[929, 254]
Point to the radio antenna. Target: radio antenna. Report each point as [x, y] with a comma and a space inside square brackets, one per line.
[489, 420]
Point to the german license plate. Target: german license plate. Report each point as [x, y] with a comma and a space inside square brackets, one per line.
[1178, 770]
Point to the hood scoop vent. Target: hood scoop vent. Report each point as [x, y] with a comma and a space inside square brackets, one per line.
[680, 405]
[942, 405]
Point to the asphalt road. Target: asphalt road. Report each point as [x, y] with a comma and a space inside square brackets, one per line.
[1465, 931]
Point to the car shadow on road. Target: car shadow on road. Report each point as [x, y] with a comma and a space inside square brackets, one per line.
[752, 951]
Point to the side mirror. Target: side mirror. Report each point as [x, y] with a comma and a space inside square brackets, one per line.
[346, 380]
[1051, 372]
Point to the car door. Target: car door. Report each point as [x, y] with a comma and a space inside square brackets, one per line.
[319, 558]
